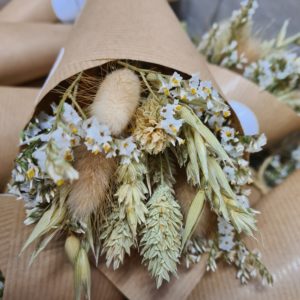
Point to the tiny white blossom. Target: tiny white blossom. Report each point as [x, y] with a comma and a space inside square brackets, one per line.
[256, 145]
[227, 134]
[70, 115]
[226, 242]
[224, 227]
[128, 150]
[175, 80]
[165, 87]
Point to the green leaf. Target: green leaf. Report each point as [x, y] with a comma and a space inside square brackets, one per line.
[188, 115]
[221, 177]
[193, 216]
[41, 227]
[192, 152]
[282, 34]
[42, 245]
[202, 153]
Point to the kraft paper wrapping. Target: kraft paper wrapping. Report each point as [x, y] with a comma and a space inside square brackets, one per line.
[279, 243]
[50, 276]
[28, 11]
[275, 118]
[16, 106]
[28, 50]
[139, 30]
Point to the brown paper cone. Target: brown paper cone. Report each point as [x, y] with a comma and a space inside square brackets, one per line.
[28, 11]
[28, 50]
[275, 118]
[279, 241]
[50, 276]
[16, 106]
[138, 30]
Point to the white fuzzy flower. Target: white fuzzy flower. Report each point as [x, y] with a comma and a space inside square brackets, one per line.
[243, 201]
[216, 121]
[256, 145]
[97, 136]
[45, 121]
[227, 134]
[170, 124]
[194, 83]
[128, 150]
[165, 87]
[224, 227]
[175, 80]
[226, 242]
[70, 115]
[40, 156]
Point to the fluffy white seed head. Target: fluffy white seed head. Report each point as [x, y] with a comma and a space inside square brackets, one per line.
[117, 99]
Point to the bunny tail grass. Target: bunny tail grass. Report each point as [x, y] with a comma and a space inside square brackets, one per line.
[117, 99]
[89, 193]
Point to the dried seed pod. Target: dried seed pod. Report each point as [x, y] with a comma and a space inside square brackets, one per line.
[72, 247]
[117, 99]
[82, 275]
[90, 192]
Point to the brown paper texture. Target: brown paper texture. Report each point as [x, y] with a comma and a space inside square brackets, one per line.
[278, 241]
[139, 30]
[275, 118]
[16, 106]
[51, 275]
[28, 11]
[28, 50]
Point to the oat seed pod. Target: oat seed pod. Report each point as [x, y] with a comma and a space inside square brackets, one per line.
[82, 275]
[72, 247]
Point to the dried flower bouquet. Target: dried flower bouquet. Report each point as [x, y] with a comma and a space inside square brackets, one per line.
[273, 65]
[100, 168]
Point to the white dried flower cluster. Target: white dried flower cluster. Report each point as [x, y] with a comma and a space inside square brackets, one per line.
[278, 73]
[248, 263]
[281, 166]
[243, 15]
[273, 65]
[170, 123]
[231, 58]
[226, 235]
[220, 43]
